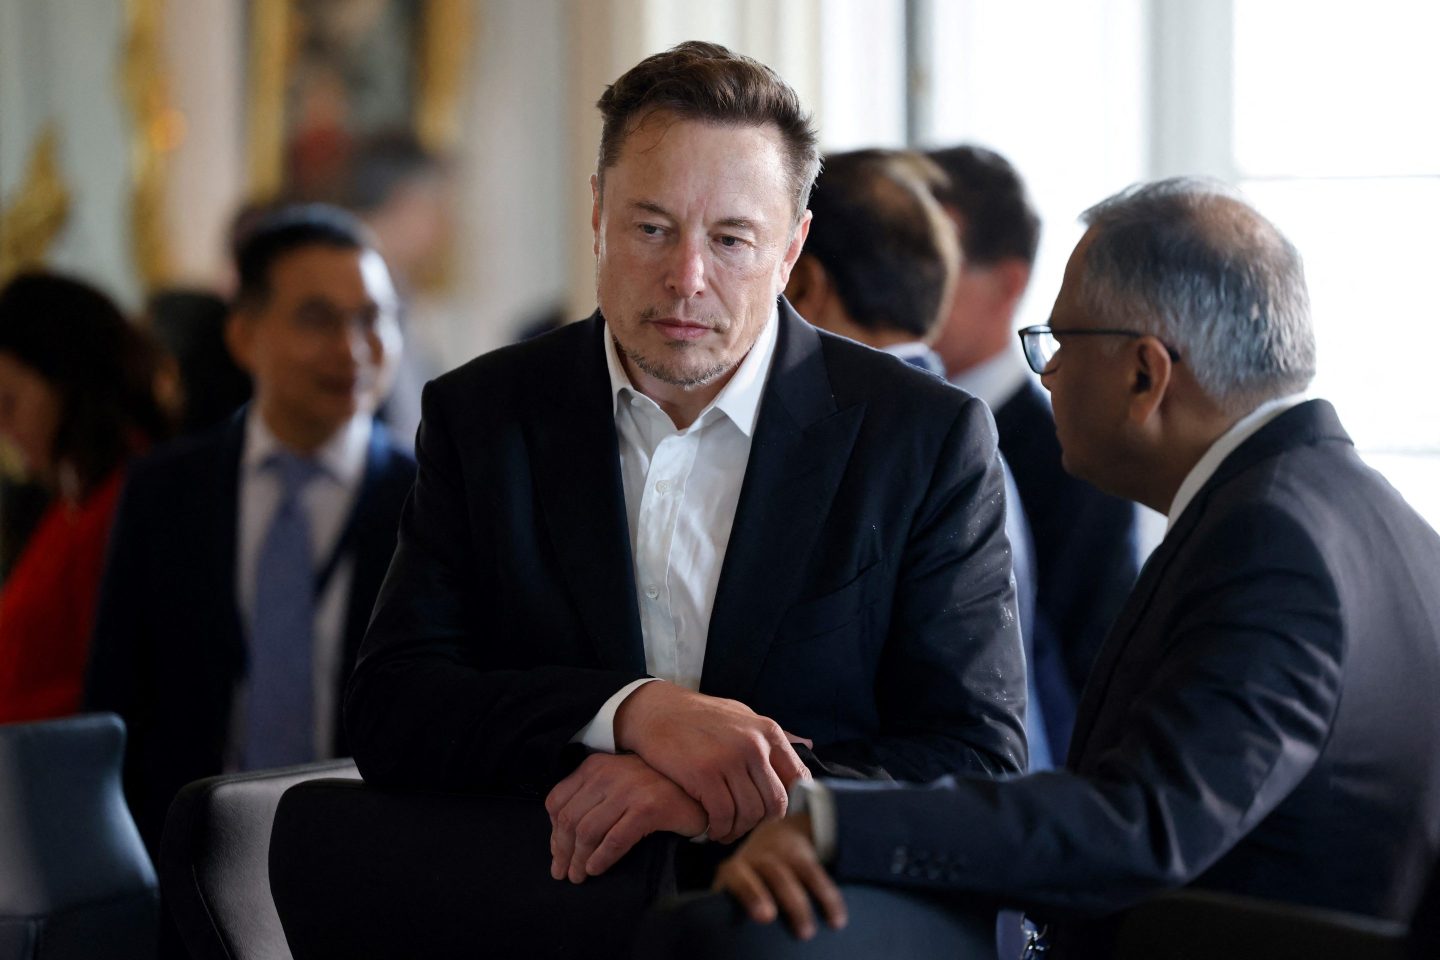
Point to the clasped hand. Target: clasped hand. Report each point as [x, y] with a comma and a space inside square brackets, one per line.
[736, 763]
[697, 765]
[610, 803]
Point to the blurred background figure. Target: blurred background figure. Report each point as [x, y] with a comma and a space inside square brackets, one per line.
[881, 259]
[78, 399]
[1085, 549]
[402, 192]
[190, 324]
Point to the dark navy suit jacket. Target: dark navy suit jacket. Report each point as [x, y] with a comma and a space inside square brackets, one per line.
[1261, 720]
[168, 649]
[865, 599]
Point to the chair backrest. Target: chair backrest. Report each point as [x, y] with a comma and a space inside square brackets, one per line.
[214, 861]
[73, 871]
[359, 871]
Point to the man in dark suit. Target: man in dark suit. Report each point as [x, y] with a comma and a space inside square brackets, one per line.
[1261, 719]
[1085, 551]
[219, 650]
[661, 564]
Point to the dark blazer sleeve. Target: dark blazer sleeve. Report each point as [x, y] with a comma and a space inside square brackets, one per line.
[442, 695]
[950, 688]
[1223, 714]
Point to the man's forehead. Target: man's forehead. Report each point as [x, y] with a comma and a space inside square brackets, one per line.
[654, 129]
[740, 176]
[334, 273]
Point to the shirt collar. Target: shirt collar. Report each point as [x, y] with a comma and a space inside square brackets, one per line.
[995, 380]
[1244, 428]
[342, 457]
[739, 399]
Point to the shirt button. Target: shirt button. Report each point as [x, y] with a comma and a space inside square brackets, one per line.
[662, 487]
[652, 592]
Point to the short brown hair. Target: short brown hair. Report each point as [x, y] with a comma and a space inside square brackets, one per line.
[707, 82]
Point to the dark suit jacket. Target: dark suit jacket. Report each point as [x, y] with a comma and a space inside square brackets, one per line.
[168, 648]
[1085, 557]
[864, 602]
[1260, 721]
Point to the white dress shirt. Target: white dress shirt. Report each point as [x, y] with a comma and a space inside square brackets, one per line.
[328, 500]
[681, 490]
[1205, 467]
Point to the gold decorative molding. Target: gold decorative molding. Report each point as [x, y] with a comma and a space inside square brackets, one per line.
[444, 49]
[156, 128]
[38, 209]
[271, 38]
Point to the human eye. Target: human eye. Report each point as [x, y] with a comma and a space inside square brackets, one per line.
[730, 241]
[651, 229]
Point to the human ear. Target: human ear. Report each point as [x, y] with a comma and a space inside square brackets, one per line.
[595, 210]
[809, 290]
[240, 339]
[1150, 377]
[797, 243]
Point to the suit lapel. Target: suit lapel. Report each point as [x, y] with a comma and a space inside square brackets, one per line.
[797, 458]
[576, 464]
[1307, 423]
[1093, 697]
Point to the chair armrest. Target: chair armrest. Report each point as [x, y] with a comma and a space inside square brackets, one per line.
[359, 871]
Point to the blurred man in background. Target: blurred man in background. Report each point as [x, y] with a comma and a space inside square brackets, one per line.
[245, 561]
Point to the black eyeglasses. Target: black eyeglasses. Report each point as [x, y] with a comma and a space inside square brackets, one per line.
[1041, 343]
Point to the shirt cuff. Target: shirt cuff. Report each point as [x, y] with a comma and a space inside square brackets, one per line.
[814, 798]
[599, 733]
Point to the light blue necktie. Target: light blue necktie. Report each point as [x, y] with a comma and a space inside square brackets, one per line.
[279, 713]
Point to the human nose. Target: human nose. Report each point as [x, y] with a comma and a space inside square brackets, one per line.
[685, 273]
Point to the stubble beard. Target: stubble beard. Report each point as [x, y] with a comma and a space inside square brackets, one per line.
[673, 375]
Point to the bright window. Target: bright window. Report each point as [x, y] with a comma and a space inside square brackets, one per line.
[1335, 139]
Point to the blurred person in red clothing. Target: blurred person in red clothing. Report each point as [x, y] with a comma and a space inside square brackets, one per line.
[78, 398]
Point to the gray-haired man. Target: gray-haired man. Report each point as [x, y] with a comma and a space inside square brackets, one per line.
[1260, 720]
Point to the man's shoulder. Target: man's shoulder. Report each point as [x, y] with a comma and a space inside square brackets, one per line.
[186, 460]
[883, 381]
